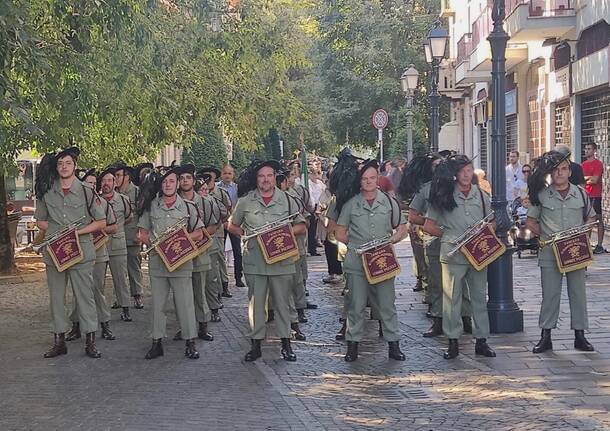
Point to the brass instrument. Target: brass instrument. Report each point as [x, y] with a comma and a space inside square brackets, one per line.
[180, 224]
[470, 232]
[370, 245]
[267, 227]
[577, 230]
[61, 232]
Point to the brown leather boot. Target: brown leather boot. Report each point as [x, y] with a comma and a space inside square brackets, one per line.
[90, 348]
[74, 332]
[59, 346]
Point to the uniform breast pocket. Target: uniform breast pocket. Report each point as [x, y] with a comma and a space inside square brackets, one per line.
[574, 209]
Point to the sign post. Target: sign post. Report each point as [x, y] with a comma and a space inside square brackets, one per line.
[380, 122]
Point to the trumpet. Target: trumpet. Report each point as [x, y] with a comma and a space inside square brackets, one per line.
[180, 224]
[267, 227]
[470, 232]
[61, 232]
[577, 230]
[370, 245]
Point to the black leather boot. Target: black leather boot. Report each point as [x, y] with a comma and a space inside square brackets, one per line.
[125, 317]
[298, 335]
[74, 332]
[239, 282]
[418, 286]
[301, 314]
[106, 332]
[545, 342]
[203, 333]
[380, 330]
[255, 351]
[59, 346]
[137, 302]
[156, 350]
[352, 351]
[580, 342]
[90, 349]
[270, 316]
[453, 350]
[436, 329]
[115, 306]
[429, 312]
[286, 351]
[312, 306]
[394, 351]
[467, 322]
[215, 316]
[191, 350]
[341, 334]
[178, 336]
[482, 348]
[225, 290]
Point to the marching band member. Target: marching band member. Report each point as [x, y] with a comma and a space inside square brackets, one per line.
[260, 203]
[99, 272]
[125, 178]
[455, 204]
[415, 187]
[159, 209]
[202, 264]
[62, 201]
[218, 258]
[117, 246]
[369, 214]
[556, 207]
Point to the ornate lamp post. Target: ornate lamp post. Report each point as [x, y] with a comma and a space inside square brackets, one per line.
[434, 48]
[504, 314]
[408, 81]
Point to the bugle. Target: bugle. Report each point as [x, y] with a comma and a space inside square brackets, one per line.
[61, 232]
[567, 233]
[373, 244]
[267, 227]
[181, 224]
[470, 232]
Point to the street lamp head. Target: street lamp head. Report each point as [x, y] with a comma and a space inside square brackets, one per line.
[409, 79]
[428, 52]
[437, 39]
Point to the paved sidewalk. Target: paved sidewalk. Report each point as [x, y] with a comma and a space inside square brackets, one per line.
[517, 390]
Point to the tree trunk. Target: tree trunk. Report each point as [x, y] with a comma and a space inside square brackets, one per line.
[7, 250]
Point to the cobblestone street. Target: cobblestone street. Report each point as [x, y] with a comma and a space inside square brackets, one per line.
[564, 389]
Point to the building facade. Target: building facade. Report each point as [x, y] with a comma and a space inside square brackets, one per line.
[557, 69]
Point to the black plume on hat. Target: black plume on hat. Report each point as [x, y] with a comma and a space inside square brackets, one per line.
[443, 182]
[543, 167]
[46, 174]
[344, 179]
[73, 152]
[418, 172]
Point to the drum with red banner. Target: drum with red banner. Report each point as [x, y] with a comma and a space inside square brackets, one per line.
[380, 264]
[573, 253]
[483, 248]
[66, 251]
[176, 249]
[278, 244]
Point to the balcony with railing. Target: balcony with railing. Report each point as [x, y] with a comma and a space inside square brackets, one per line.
[535, 20]
[481, 27]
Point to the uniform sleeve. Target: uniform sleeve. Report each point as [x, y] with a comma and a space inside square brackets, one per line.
[237, 218]
[344, 216]
[433, 214]
[209, 213]
[487, 200]
[534, 211]
[418, 203]
[398, 217]
[127, 204]
[41, 213]
[589, 211]
[97, 209]
[144, 221]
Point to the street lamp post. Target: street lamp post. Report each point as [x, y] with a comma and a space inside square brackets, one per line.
[409, 80]
[504, 313]
[435, 47]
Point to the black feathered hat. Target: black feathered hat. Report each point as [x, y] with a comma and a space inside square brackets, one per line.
[211, 169]
[82, 174]
[108, 170]
[137, 172]
[46, 174]
[149, 189]
[443, 182]
[418, 172]
[344, 179]
[369, 163]
[187, 168]
[543, 167]
[73, 152]
[122, 166]
[247, 179]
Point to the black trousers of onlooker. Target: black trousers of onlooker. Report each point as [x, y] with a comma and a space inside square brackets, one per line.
[311, 235]
[236, 246]
[331, 250]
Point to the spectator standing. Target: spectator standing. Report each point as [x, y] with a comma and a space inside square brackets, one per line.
[513, 175]
[521, 185]
[593, 170]
[316, 188]
[227, 184]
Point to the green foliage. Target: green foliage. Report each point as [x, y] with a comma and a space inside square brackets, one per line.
[207, 148]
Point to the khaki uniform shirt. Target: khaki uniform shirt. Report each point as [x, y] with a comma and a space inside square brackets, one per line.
[365, 223]
[556, 213]
[117, 246]
[301, 239]
[131, 228]
[101, 254]
[203, 262]
[419, 203]
[158, 219]
[252, 212]
[468, 212]
[60, 210]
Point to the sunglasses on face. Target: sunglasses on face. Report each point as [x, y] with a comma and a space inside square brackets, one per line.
[526, 171]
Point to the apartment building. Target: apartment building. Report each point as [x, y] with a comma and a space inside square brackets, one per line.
[557, 70]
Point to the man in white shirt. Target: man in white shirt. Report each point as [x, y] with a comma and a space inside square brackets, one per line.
[316, 188]
[514, 177]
